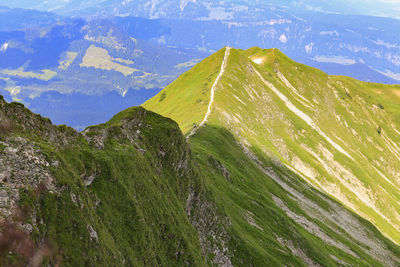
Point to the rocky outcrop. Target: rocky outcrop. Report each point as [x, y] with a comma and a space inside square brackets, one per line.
[57, 172]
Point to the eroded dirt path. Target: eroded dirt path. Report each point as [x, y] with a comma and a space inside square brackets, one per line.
[223, 67]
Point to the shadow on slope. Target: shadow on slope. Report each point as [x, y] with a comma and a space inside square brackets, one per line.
[276, 216]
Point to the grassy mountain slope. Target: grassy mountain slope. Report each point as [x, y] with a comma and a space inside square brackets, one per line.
[189, 105]
[279, 219]
[337, 133]
[135, 191]
[114, 195]
[132, 192]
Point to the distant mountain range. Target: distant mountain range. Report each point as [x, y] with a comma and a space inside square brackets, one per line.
[190, 9]
[64, 56]
[314, 38]
[20, 19]
[60, 55]
[114, 48]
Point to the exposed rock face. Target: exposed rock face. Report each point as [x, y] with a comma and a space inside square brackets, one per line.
[222, 169]
[21, 166]
[93, 234]
[211, 227]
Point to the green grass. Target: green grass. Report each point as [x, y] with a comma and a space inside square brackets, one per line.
[293, 199]
[348, 111]
[259, 118]
[186, 99]
[136, 203]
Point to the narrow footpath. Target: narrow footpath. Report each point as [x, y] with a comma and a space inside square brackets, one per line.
[223, 67]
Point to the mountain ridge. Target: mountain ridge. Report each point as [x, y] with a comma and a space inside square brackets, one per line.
[135, 191]
[234, 103]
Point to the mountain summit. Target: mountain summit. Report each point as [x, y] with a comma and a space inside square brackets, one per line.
[339, 134]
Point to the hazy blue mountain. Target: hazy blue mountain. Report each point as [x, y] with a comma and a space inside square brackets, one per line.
[42, 67]
[358, 71]
[203, 8]
[85, 62]
[291, 26]
[339, 41]
[12, 19]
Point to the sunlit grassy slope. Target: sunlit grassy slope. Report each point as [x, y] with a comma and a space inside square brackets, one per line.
[338, 134]
[187, 98]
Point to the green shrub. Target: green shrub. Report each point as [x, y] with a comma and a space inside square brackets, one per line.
[379, 130]
[162, 97]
